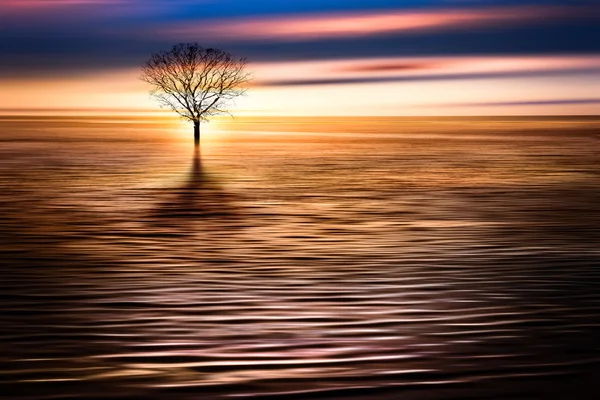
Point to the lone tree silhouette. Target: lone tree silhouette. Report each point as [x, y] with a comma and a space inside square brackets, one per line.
[195, 82]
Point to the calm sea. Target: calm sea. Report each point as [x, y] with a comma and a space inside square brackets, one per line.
[338, 258]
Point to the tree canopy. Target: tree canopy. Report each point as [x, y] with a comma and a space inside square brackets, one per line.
[194, 81]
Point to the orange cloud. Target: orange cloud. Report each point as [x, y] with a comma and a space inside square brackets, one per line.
[365, 24]
[390, 66]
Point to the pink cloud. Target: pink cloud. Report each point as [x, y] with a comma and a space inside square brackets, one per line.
[51, 11]
[359, 70]
[467, 64]
[364, 24]
[65, 9]
[17, 4]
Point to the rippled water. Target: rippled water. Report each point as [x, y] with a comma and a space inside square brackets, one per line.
[325, 258]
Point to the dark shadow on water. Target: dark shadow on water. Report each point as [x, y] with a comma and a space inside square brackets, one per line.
[201, 197]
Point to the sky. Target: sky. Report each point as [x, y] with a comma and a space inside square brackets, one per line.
[312, 57]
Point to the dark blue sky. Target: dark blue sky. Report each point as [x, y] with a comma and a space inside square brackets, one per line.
[39, 38]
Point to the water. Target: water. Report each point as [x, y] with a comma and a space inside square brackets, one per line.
[300, 258]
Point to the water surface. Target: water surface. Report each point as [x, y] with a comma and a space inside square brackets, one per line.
[300, 258]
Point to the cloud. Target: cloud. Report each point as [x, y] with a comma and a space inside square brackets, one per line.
[48, 4]
[390, 66]
[431, 77]
[345, 25]
[45, 11]
[553, 102]
[52, 3]
[420, 69]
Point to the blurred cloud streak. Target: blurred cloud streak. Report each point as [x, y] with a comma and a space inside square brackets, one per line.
[419, 69]
[71, 7]
[55, 3]
[345, 25]
[551, 102]
[72, 10]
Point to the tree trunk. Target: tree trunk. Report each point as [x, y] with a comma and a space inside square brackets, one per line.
[196, 133]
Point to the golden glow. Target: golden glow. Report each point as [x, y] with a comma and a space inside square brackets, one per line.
[117, 89]
[471, 94]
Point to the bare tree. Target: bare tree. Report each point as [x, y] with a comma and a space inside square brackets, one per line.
[195, 82]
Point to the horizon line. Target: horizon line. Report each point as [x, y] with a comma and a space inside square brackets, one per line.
[121, 113]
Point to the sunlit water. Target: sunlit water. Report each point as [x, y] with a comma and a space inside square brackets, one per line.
[361, 259]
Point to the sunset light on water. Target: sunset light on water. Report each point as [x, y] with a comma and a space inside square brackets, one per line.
[403, 203]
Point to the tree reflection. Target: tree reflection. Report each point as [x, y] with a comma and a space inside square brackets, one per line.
[200, 198]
